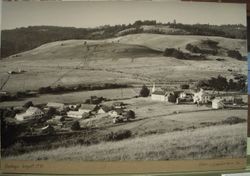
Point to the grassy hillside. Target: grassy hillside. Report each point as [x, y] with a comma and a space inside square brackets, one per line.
[130, 59]
[205, 143]
[23, 39]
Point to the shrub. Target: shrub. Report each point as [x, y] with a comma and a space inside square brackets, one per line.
[118, 135]
[233, 120]
[130, 114]
[75, 126]
[28, 104]
[184, 86]
[172, 52]
[235, 54]
[144, 91]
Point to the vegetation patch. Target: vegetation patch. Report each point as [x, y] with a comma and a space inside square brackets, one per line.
[233, 120]
[178, 54]
[118, 135]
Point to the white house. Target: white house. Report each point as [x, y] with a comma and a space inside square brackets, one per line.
[159, 96]
[217, 103]
[87, 108]
[118, 105]
[76, 114]
[58, 106]
[31, 113]
[115, 113]
[201, 97]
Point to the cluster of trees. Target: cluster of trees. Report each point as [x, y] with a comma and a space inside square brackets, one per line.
[235, 54]
[229, 31]
[23, 39]
[222, 84]
[178, 54]
[196, 49]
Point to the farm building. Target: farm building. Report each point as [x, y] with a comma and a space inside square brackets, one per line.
[217, 103]
[87, 108]
[116, 112]
[201, 97]
[58, 106]
[104, 109]
[118, 105]
[31, 113]
[73, 106]
[77, 114]
[161, 95]
[164, 96]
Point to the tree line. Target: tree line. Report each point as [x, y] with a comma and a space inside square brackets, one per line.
[26, 38]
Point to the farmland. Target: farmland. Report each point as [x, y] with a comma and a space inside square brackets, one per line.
[159, 131]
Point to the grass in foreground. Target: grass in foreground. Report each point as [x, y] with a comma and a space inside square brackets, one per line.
[227, 141]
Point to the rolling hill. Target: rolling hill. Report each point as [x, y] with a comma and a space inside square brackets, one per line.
[130, 59]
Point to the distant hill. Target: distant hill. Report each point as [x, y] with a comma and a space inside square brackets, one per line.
[23, 39]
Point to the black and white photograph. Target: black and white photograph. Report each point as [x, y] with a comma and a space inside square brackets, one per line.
[123, 81]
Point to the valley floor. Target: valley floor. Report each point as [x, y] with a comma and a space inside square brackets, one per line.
[161, 131]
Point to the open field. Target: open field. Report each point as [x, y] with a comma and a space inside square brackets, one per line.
[129, 59]
[76, 97]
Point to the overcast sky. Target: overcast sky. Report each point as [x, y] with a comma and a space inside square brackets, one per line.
[92, 14]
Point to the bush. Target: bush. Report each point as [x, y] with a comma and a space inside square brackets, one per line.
[196, 49]
[235, 54]
[172, 52]
[144, 91]
[118, 135]
[75, 126]
[184, 86]
[130, 114]
[28, 104]
[233, 120]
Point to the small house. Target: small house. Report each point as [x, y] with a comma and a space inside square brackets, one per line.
[87, 108]
[159, 95]
[201, 97]
[73, 106]
[118, 105]
[57, 106]
[217, 103]
[31, 113]
[104, 109]
[77, 114]
[116, 112]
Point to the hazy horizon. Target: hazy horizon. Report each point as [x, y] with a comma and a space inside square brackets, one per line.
[87, 14]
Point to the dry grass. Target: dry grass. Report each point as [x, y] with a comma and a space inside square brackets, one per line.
[211, 142]
[128, 65]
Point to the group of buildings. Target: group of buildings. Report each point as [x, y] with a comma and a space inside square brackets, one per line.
[74, 111]
[191, 96]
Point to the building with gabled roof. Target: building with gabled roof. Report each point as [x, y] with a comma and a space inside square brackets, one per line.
[104, 109]
[29, 114]
[58, 106]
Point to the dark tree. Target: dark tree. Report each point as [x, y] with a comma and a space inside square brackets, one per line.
[184, 86]
[28, 104]
[130, 114]
[75, 126]
[144, 91]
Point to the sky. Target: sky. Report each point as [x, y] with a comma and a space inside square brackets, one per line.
[93, 14]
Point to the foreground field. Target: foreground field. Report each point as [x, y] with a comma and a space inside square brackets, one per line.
[161, 131]
[205, 143]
